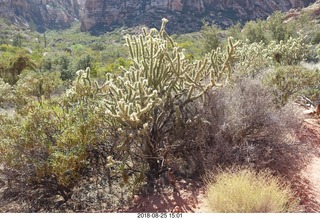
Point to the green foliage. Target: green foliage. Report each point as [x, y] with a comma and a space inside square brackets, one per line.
[6, 93]
[192, 43]
[115, 66]
[235, 31]
[84, 61]
[318, 51]
[64, 63]
[279, 30]
[37, 85]
[211, 36]
[8, 48]
[39, 148]
[17, 41]
[48, 144]
[14, 66]
[255, 31]
[289, 81]
[240, 190]
[316, 38]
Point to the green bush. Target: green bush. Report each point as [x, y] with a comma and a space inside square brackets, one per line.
[279, 30]
[37, 85]
[46, 145]
[289, 81]
[13, 65]
[64, 64]
[235, 31]
[255, 31]
[6, 93]
[211, 35]
[240, 190]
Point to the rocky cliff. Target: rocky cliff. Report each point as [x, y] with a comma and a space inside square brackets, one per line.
[42, 14]
[102, 15]
[184, 15]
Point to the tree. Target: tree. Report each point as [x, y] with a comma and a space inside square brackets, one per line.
[211, 37]
[278, 29]
[255, 31]
[17, 64]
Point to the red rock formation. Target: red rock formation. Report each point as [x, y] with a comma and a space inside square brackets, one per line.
[43, 13]
[109, 12]
[184, 15]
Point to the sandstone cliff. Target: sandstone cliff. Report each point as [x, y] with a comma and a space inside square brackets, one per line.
[184, 15]
[42, 14]
[102, 15]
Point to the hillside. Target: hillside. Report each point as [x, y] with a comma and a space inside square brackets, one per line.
[185, 16]
[99, 16]
[41, 14]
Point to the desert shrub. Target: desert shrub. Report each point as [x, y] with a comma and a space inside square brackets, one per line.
[8, 48]
[64, 64]
[45, 147]
[317, 51]
[42, 152]
[289, 81]
[192, 43]
[6, 93]
[114, 67]
[240, 190]
[17, 40]
[316, 38]
[255, 31]
[234, 31]
[47, 64]
[279, 31]
[211, 35]
[84, 62]
[36, 85]
[14, 65]
[244, 127]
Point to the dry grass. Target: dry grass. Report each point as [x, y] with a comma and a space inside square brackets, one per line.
[239, 190]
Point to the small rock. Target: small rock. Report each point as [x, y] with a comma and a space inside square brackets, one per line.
[177, 209]
[309, 112]
[136, 199]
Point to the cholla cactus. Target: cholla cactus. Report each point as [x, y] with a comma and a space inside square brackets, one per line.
[146, 99]
[290, 52]
[253, 58]
[83, 88]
